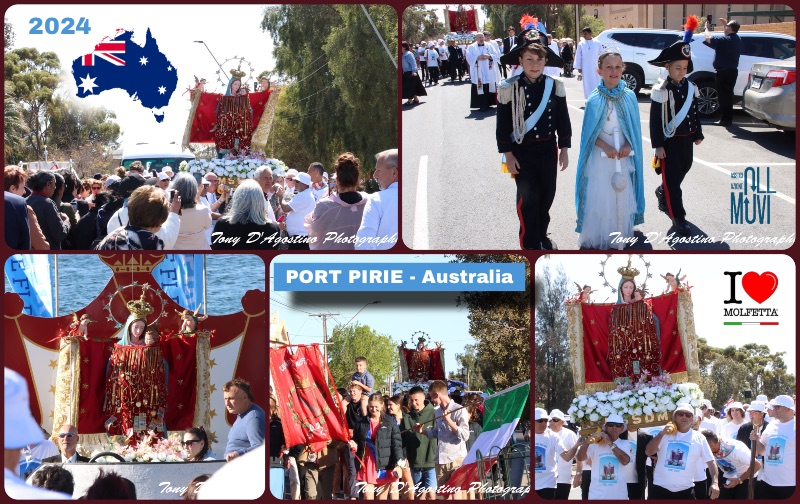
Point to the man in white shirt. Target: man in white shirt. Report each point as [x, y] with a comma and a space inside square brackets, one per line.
[778, 446]
[678, 456]
[68, 441]
[379, 226]
[548, 448]
[709, 421]
[296, 210]
[319, 184]
[19, 431]
[733, 459]
[483, 58]
[564, 468]
[586, 61]
[610, 455]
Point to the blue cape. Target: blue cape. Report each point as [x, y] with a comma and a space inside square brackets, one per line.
[628, 112]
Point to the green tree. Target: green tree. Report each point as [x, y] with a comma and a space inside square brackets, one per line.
[500, 17]
[470, 367]
[554, 380]
[14, 130]
[8, 35]
[500, 323]
[341, 83]
[73, 125]
[31, 79]
[730, 378]
[361, 341]
[420, 24]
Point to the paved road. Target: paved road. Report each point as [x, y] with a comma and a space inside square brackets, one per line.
[454, 196]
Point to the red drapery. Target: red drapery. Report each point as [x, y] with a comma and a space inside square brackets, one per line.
[596, 318]
[436, 371]
[306, 403]
[205, 116]
[462, 21]
[136, 390]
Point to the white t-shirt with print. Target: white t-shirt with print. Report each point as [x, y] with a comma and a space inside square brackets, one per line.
[302, 204]
[432, 57]
[729, 430]
[547, 448]
[733, 459]
[630, 469]
[564, 467]
[609, 476]
[678, 457]
[779, 460]
[711, 424]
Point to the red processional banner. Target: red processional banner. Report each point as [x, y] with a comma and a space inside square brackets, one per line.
[425, 365]
[598, 345]
[305, 391]
[205, 116]
[462, 20]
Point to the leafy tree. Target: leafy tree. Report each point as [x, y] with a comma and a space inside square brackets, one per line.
[500, 323]
[554, 380]
[470, 366]
[73, 125]
[500, 17]
[730, 378]
[341, 83]
[361, 341]
[420, 24]
[14, 130]
[31, 79]
[8, 35]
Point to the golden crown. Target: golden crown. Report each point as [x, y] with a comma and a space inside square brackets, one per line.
[238, 72]
[140, 308]
[627, 272]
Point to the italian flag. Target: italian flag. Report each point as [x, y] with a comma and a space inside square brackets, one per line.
[501, 412]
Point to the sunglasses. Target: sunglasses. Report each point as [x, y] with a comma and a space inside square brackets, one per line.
[541, 420]
[684, 414]
[96, 188]
[191, 441]
[66, 434]
[614, 424]
[556, 420]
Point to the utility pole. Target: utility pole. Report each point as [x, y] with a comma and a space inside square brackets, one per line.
[324, 331]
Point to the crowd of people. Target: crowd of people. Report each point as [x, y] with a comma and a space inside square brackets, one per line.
[135, 210]
[28, 446]
[695, 456]
[401, 447]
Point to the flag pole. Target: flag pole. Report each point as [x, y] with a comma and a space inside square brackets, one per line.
[434, 419]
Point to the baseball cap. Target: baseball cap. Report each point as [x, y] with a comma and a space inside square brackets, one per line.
[304, 178]
[541, 413]
[291, 173]
[110, 180]
[615, 419]
[168, 169]
[783, 400]
[736, 405]
[684, 407]
[708, 404]
[205, 181]
[20, 428]
[557, 413]
[758, 406]
[763, 398]
[734, 25]
[163, 176]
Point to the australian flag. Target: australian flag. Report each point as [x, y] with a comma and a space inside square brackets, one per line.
[118, 63]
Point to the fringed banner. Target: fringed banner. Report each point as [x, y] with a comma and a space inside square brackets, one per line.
[262, 131]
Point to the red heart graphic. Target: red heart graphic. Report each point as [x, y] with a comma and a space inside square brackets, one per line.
[760, 287]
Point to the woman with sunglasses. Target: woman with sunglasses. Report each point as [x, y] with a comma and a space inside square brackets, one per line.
[609, 456]
[195, 442]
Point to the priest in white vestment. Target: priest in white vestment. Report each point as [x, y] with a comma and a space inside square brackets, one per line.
[483, 60]
[586, 61]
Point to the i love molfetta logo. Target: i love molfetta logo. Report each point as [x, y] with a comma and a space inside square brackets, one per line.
[760, 287]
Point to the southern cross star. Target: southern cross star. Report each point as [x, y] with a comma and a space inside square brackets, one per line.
[88, 84]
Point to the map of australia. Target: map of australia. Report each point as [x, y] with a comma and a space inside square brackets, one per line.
[118, 63]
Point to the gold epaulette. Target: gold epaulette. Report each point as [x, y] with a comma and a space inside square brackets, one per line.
[505, 91]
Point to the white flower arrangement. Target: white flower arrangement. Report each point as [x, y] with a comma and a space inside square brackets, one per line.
[642, 398]
[234, 167]
[398, 387]
[150, 448]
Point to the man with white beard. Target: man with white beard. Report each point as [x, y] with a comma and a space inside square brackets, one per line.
[483, 59]
[586, 62]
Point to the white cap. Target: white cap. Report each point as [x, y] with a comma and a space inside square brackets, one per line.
[708, 404]
[684, 407]
[205, 181]
[304, 178]
[735, 405]
[168, 169]
[163, 176]
[758, 406]
[615, 419]
[278, 172]
[291, 172]
[20, 428]
[110, 180]
[541, 413]
[763, 398]
[557, 413]
[783, 400]
[325, 175]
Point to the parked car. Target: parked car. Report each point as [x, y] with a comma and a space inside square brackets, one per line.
[640, 45]
[770, 94]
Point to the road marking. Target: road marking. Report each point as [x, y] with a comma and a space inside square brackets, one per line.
[718, 167]
[421, 207]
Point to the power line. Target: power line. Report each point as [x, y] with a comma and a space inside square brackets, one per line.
[309, 96]
[304, 69]
[312, 73]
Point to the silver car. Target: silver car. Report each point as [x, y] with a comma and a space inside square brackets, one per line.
[770, 94]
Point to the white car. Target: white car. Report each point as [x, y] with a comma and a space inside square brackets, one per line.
[640, 45]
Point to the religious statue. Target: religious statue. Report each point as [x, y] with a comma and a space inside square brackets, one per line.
[234, 126]
[584, 293]
[634, 343]
[422, 364]
[80, 326]
[674, 282]
[190, 320]
[136, 386]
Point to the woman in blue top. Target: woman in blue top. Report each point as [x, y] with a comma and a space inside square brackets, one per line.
[412, 85]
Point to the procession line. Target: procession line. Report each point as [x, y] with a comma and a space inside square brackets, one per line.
[717, 167]
[421, 207]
